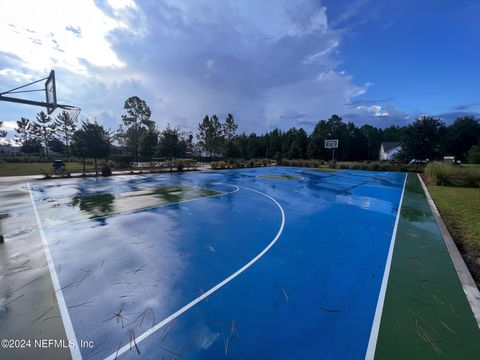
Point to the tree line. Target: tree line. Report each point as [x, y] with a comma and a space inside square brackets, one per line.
[139, 139]
[425, 138]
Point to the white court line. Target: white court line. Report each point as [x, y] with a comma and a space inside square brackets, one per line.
[179, 312]
[372, 342]
[67, 322]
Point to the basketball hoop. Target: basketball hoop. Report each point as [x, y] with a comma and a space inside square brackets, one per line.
[332, 144]
[73, 111]
[50, 93]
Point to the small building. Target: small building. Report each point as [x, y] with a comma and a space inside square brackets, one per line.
[450, 160]
[389, 149]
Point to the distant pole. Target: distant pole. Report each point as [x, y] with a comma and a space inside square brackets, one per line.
[333, 158]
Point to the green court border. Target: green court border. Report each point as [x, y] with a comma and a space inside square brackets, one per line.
[426, 314]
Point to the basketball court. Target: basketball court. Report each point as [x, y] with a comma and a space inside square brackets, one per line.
[243, 267]
[268, 263]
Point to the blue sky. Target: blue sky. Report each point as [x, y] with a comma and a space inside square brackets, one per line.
[272, 63]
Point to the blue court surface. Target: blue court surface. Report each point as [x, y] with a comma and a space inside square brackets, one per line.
[283, 263]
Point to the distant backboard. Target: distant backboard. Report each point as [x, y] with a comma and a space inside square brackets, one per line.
[331, 144]
[51, 93]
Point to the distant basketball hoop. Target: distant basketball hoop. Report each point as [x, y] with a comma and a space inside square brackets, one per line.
[50, 91]
[332, 144]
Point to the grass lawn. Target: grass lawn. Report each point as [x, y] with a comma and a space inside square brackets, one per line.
[19, 169]
[471, 166]
[460, 209]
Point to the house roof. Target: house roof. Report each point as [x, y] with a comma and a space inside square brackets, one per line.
[389, 145]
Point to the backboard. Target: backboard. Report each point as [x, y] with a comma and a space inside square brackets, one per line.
[51, 93]
[49, 90]
[331, 144]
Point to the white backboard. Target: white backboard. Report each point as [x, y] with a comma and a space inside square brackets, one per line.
[331, 144]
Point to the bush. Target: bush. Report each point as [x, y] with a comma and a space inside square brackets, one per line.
[47, 174]
[448, 175]
[121, 161]
[235, 164]
[365, 165]
[474, 155]
[106, 170]
[385, 167]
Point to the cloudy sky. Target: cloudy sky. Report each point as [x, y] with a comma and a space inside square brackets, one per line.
[272, 63]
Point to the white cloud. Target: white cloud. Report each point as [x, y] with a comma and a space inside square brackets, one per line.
[57, 33]
[270, 63]
[9, 125]
[376, 110]
[122, 4]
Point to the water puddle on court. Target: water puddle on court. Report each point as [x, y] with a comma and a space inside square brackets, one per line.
[97, 205]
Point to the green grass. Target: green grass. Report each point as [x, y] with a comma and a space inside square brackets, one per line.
[472, 166]
[20, 169]
[460, 208]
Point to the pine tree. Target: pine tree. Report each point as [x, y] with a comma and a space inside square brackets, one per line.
[65, 126]
[44, 130]
[3, 133]
[136, 122]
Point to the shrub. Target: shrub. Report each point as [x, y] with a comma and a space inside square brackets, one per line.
[235, 164]
[385, 167]
[120, 161]
[448, 175]
[106, 170]
[474, 154]
[47, 174]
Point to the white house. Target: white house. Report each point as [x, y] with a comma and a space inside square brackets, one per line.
[389, 149]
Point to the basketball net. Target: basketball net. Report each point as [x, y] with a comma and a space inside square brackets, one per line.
[73, 111]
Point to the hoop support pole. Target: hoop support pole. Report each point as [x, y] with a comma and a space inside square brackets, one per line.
[24, 101]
